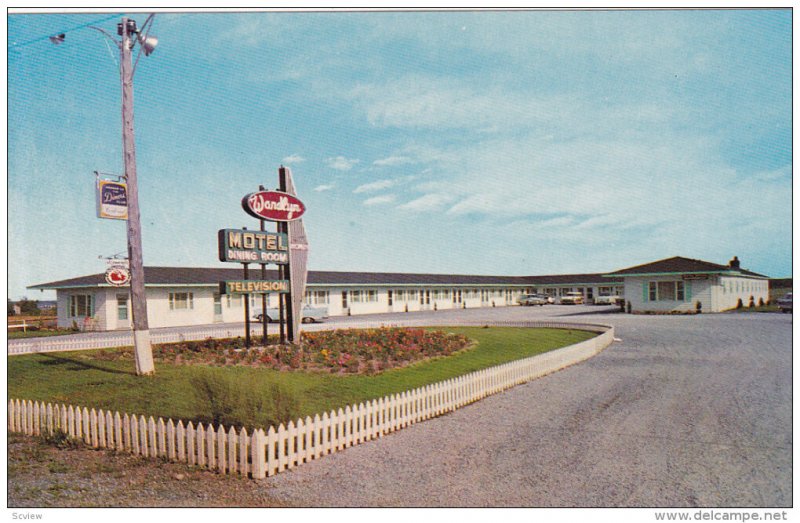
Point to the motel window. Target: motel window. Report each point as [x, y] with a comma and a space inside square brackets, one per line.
[321, 297]
[667, 291]
[435, 294]
[181, 301]
[122, 306]
[355, 296]
[317, 298]
[445, 294]
[412, 295]
[81, 306]
[371, 296]
[399, 295]
[233, 302]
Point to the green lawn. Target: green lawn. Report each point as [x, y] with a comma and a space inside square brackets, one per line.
[82, 378]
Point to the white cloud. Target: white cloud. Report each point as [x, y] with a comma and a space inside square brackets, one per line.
[321, 188]
[340, 163]
[294, 158]
[375, 186]
[392, 161]
[379, 200]
[429, 202]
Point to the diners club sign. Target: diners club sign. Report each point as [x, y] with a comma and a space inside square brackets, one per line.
[274, 206]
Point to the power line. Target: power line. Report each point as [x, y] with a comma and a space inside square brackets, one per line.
[40, 38]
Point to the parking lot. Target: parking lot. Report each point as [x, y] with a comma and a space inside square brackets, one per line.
[683, 411]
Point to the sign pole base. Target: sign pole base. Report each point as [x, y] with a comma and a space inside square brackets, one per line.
[143, 352]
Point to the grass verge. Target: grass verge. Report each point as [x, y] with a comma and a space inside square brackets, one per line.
[80, 378]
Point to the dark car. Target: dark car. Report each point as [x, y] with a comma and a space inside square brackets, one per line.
[785, 303]
[310, 315]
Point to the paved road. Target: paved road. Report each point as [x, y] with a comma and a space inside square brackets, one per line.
[685, 411]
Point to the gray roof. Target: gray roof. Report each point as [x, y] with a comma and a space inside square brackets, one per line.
[212, 276]
[678, 264]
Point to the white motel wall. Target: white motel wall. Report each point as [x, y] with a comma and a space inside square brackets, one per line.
[190, 296]
[713, 293]
[108, 308]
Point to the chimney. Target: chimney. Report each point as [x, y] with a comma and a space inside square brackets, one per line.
[734, 263]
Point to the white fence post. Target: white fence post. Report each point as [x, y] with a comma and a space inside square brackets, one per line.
[280, 457]
[222, 454]
[233, 464]
[191, 439]
[244, 448]
[211, 444]
[311, 438]
[258, 459]
[272, 463]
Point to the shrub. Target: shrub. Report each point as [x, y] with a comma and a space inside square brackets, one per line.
[236, 400]
[60, 439]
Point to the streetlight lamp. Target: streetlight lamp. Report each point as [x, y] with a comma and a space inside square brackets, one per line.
[143, 351]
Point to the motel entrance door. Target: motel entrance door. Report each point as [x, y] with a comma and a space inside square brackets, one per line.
[217, 308]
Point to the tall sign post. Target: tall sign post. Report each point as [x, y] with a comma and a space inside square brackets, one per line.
[262, 247]
[245, 247]
[282, 206]
[143, 351]
[298, 260]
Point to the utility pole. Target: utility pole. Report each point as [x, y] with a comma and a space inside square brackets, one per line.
[143, 351]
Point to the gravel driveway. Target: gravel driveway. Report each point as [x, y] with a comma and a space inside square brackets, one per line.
[685, 411]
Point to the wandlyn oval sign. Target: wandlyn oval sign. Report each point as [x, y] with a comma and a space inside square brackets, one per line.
[275, 206]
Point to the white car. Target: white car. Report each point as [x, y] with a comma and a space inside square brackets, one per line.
[607, 300]
[532, 299]
[309, 314]
[572, 298]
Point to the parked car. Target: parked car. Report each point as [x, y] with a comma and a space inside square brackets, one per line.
[309, 314]
[612, 299]
[532, 299]
[549, 298]
[785, 303]
[572, 298]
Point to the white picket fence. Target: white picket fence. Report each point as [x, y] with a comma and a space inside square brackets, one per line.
[96, 341]
[268, 453]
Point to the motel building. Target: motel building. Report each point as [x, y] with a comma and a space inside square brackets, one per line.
[179, 296]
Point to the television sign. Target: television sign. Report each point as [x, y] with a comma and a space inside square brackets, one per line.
[253, 286]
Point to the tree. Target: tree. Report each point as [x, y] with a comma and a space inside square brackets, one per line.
[28, 307]
[10, 307]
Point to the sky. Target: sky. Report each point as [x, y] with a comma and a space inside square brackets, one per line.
[474, 142]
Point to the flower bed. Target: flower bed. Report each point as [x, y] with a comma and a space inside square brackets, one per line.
[345, 350]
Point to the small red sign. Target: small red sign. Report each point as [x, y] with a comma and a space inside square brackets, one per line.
[275, 206]
[118, 276]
